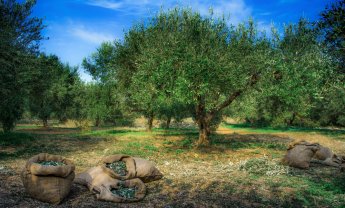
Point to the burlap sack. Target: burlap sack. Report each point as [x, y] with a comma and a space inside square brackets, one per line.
[136, 167]
[342, 166]
[146, 170]
[42, 183]
[41, 170]
[325, 156]
[106, 195]
[323, 153]
[300, 154]
[101, 183]
[130, 165]
[86, 178]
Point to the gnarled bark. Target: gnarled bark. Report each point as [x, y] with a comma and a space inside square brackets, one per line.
[204, 132]
[203, 120]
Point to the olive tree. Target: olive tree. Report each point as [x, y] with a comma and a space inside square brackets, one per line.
[200, 61]
[20, 34]
[204, 62]
[49, 92]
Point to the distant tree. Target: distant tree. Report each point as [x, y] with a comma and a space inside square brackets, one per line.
[50, 88]
[96, 100]
[63, 91]
[99, 64]
[173, 110]
[108, 105]
[20, 34]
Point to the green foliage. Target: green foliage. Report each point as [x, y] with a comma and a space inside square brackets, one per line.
[102, 99]
[99, 64]
[50, 88]
[330, 110]
[20, 34]
[99, 103]
[301, 73]
[181, 57]
[185, 58]
[332, 27]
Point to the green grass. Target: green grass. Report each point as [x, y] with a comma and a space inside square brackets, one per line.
[254, 129]
[324, 192]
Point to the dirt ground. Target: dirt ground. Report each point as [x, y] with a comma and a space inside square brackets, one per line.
[208, 177]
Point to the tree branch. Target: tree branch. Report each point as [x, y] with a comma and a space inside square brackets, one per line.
[253, 80]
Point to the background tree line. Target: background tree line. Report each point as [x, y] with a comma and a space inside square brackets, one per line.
[180, 64]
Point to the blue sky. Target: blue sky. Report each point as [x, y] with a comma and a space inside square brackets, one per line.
[77, 27]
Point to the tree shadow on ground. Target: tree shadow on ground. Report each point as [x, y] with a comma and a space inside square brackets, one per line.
[51, 131]
[222, 142]
[17, 145]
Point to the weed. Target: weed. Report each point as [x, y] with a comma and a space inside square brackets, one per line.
[151, 148]
[179, 151]
[263, 166]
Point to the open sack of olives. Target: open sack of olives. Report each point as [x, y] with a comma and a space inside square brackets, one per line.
[48, 178]
[119, 178]
[125, 167]
[108, 188]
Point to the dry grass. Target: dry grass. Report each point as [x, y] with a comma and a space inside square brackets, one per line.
[240, 169]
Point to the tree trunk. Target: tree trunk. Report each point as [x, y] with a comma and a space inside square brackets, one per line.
[291, 121]
[7, 127]
[45, 122]
[150, 122]
[168, 122]
[97, 122]
[203, 120]
[204, 132]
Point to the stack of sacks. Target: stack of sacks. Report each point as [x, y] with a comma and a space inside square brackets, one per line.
[48, 178]
[301, 153]
[120, 178]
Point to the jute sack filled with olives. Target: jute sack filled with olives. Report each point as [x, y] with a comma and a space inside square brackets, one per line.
[125, 167]
[48, 178]
[300, 153]
[111, 189]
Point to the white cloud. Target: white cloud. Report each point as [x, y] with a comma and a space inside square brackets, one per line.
[105, 4]
[265, 13]
[91, 36]
[237, 9]
[124, 5]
